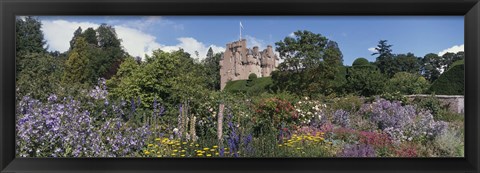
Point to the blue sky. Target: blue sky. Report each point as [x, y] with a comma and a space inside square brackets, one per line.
[355, 35]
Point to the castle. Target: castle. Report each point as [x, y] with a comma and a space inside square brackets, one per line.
[238, 62]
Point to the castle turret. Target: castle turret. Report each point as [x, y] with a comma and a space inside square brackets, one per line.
[238, 62]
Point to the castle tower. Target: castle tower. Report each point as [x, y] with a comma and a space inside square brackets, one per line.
[238, 62]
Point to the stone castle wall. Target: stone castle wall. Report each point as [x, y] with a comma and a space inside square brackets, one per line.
[238, 62]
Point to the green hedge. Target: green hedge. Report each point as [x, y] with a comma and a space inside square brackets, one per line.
[451, 82]
[256, 85]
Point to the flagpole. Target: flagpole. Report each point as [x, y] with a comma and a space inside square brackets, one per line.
[240, 31]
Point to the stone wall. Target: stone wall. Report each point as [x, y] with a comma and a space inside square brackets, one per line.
[238, 62]
[455, 103]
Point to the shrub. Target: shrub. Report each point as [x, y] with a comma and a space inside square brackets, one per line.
[272, 113]
[407, 83]
[350, 103]
[252, 76]
[451, 82]
[357, 150]
[341, 118]
[403, 122]
[449, 144]
[360, 62]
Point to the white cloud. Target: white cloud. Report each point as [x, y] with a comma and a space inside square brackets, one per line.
[190, 45]
[252, 41]
[136, 42]
[291, 34]
[372, 49]
[58, 33]
[453, 49]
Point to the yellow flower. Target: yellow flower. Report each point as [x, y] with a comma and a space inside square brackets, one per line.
[153, 151]
[175, 151]
[209, 155]
[199, 151]
[280, 145]
[159, 155]
[215, 146]
[150, 145]
[173, 154]
[200, 154]
[147, 153]
[197, 145]
[184, 143]
[298, 148]
[183, 155]
[216, 154]
[206, 149]
[157, 139]
[183, 151]
[212, 149]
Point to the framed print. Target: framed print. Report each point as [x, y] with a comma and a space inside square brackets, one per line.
[239, 86]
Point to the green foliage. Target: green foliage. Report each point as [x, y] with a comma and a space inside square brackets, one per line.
[430, 103]
[273, 114]
[350, 103]
[171, 77]
[211, 65]
[406, 63]
[249, 87]
[28, 39]
[431, 65]
[395, 96]
[451, 82]
[360, 62]
[365, 81]
[252, 76]
[40, 76]
[310, 64]
[76, 70]
[407, 83]
[384, 60]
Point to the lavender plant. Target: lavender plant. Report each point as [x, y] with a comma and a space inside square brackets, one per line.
[63, 128]
[341, 118]
[357, 150]
[403, 122]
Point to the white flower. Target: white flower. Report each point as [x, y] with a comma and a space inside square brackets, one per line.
[175, 130]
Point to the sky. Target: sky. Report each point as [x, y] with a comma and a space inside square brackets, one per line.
[357, 36]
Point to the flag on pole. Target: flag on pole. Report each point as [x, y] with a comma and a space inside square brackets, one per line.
[241, 26]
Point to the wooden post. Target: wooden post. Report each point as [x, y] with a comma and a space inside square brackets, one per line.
[220, 123]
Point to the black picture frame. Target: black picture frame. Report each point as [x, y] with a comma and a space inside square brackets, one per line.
[470, 9]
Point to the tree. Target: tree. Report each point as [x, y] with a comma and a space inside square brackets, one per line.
[211, 65]
[408, 83]
[40, 77]
[107, 37]
[431, 66]
[365, 80]
[384, 60]
[170, 77]
[76, 34]
[406, 63]
[451, 82]
[310, 64]
[90, 36]
[29, 36]
[28, 39]
[359, 62]
[76, 66]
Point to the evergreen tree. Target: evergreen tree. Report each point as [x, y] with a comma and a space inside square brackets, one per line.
[76, 66]
[384, 60]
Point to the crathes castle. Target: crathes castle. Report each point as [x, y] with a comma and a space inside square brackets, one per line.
[238, 62]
